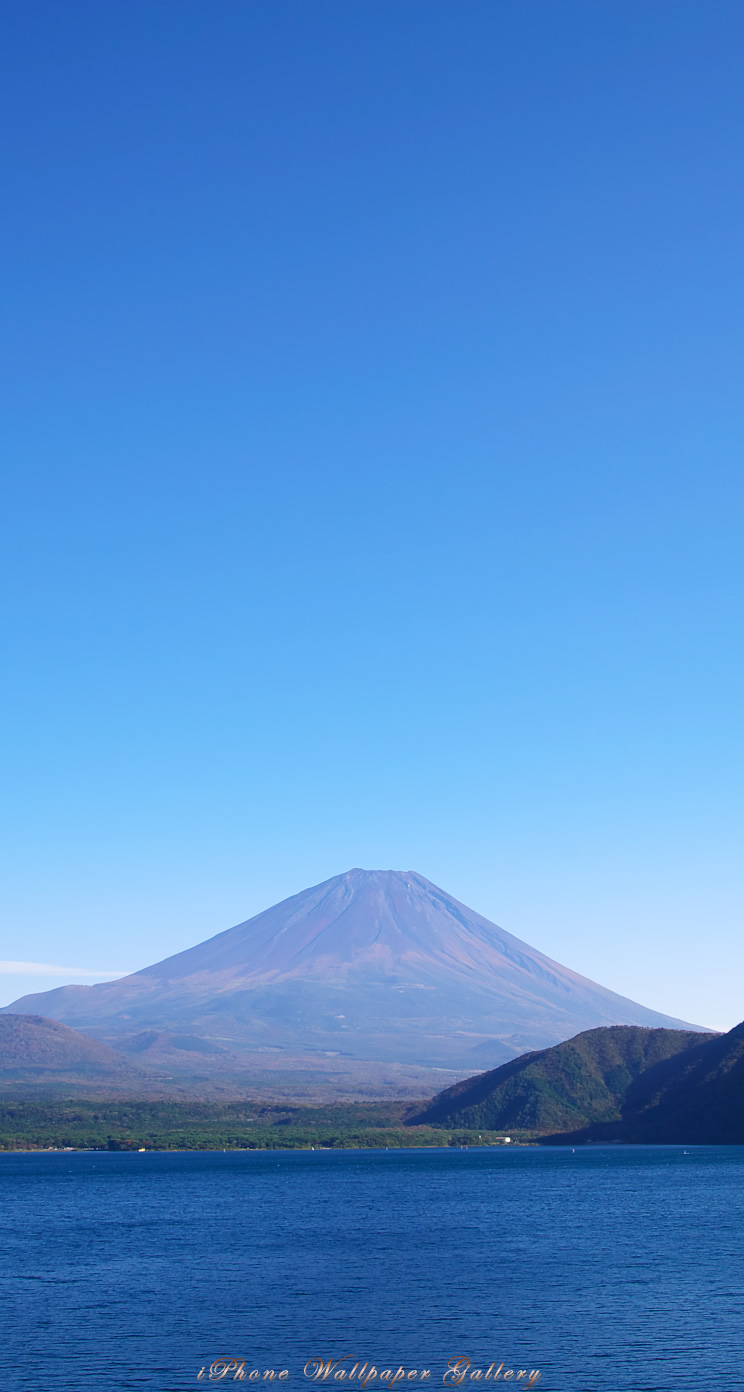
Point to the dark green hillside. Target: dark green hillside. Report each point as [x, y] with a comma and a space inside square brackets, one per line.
[699, 1100]
[563, 1089]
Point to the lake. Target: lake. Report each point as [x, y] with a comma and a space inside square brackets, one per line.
[619, 1269]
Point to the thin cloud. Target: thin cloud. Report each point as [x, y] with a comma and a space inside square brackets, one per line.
[47, 969]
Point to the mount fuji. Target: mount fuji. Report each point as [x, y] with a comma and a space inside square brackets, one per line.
[374, 966]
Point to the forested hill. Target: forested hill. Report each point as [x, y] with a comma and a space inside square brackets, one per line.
[575, 1085]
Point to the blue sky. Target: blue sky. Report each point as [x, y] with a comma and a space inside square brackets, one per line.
[373, 418]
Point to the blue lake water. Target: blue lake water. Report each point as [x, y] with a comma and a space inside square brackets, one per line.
[619, 1269]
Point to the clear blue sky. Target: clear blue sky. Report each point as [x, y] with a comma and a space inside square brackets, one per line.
[373, 430]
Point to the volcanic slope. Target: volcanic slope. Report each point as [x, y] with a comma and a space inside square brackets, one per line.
[376, 965]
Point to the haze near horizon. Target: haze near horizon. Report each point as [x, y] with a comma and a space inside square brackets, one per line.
[374, 420]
